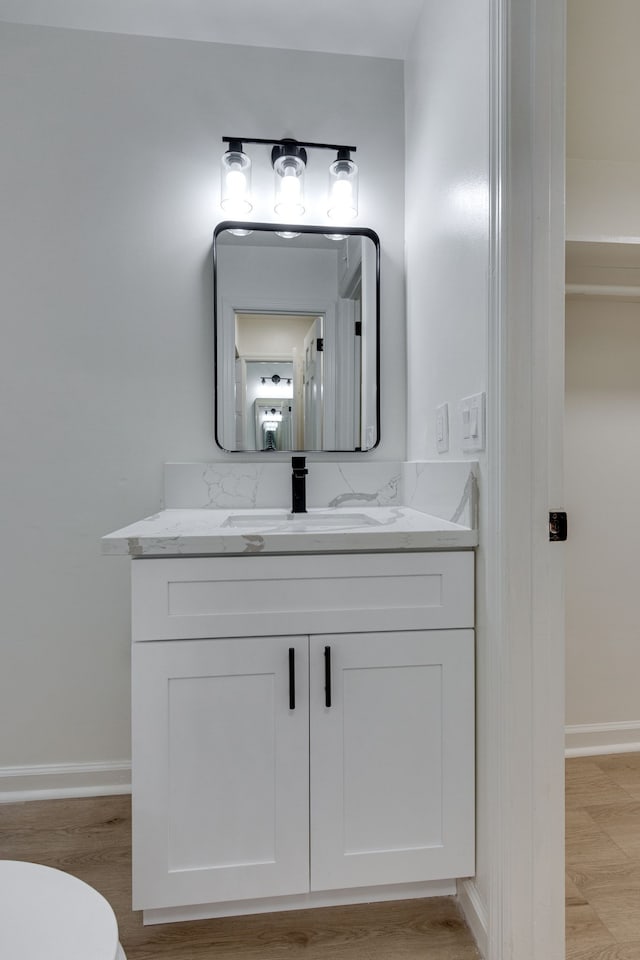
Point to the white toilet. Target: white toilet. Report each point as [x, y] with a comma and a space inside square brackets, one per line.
[46, 914]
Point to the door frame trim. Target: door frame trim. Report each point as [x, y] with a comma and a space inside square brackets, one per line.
[522, 885]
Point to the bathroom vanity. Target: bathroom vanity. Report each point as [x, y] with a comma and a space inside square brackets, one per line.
[303, 708]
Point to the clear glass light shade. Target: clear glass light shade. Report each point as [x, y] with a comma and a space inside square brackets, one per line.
[235, 185]
[343, 190]
[289, 187]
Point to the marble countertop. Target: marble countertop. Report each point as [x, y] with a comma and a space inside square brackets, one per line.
[198, 532]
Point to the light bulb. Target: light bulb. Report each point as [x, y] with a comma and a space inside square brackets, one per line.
[290, 190]
[289, 177]
[236, 184]
[343, 188]
[235, 181]
[289, 203]
[342, 194]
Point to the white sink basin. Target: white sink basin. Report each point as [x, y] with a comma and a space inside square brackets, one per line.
[323, 520]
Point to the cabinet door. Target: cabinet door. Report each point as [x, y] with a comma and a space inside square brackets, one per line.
[220, 760]
[392, 772]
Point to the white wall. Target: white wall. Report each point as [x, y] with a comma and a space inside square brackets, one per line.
[258, 274]
[446, 217]
[603, 200]
[602, 456]
[603, 133]
[602, 445]
[275, 336]
[109, 167]
[447, 226]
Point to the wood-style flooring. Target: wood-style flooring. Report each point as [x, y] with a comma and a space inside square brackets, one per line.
[91, 838]
[603, 857]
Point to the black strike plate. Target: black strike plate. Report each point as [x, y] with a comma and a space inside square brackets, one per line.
[557, 525]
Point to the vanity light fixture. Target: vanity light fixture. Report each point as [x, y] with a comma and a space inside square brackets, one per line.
[275, 379]
[289, 161]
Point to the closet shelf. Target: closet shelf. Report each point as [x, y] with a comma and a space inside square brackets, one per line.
[601, 268]
[608, 290]
[602, 264]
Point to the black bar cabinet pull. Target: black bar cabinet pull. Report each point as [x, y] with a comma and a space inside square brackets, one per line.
[292, 678]
[327, 676]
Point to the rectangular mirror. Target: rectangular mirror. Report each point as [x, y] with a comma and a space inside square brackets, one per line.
[296, 338]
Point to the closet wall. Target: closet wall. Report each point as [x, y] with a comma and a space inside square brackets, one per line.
[602, 439]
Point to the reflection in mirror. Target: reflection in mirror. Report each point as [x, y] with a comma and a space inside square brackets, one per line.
[273, 424]
[296, 339]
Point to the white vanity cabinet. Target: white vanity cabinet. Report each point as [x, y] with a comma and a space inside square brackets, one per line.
[391, 760]
[220, 771]
[301, 725]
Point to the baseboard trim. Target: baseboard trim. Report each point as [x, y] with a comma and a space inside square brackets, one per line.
[475, 913]
[595, 739]
[299, 901]
[56, 781]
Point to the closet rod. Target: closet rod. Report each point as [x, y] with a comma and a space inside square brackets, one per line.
[602, 290]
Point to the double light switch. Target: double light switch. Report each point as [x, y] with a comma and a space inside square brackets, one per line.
[473, 420]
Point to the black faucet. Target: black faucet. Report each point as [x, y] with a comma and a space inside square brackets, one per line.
[298, 485]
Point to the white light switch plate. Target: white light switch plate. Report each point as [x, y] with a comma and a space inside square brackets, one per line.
[442, 428]
[473, 422]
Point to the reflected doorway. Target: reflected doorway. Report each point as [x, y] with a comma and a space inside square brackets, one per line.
[279, 387]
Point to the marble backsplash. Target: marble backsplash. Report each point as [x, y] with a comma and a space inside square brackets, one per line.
[446, 489]
[247, 485]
